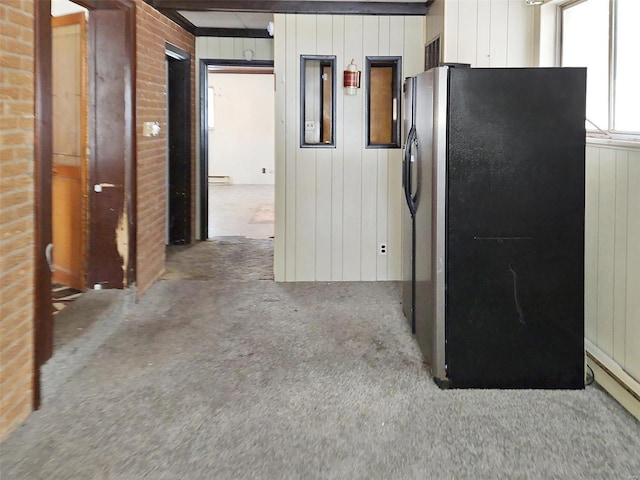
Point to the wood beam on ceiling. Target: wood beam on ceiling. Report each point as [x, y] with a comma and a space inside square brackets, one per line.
[232, 32]
[293, 6]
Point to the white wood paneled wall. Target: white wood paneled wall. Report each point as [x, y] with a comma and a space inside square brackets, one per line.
[612, 254]
[435, 22]
[335, 206]
[228, 48]
[489, 33]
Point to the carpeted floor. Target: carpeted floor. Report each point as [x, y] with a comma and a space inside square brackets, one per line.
[221, 374]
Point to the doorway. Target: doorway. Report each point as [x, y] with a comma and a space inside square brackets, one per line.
[179, 146]
[70, 160]
[239, 133]
[98, 171]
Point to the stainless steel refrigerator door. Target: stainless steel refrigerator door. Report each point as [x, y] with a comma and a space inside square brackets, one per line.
[431, 102]
[407, 217]
[438, 222]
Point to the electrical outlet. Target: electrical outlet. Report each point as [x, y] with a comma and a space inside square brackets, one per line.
[383, 249]
[310, 125]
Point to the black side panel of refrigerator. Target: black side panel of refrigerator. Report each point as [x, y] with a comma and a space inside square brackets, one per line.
[515, 228]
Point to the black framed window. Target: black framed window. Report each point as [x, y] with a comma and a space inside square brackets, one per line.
[317, 100]
[384, 84]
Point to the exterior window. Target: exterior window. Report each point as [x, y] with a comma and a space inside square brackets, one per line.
[603, 36]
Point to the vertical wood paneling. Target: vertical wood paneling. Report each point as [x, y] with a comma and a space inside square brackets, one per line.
[467, 31]
[213, 47]
[264, 48]
[200, 47]
[305, 172]
[612, 254]
[632, 348]
[394, 162]
[368, 249]
[592, 182]
[279, 241]
[292, 78]
[498, 37]
[238, 48]
[451, 32]
[606, 219]
[520, 34]
[353, 149]
[227, 48]
[382, 208]
[233, 48]
[339, 204]
[324, 46]
[620, 254]
[486, 33]
[337, 158]
[413, 50]
[434, 25]
[483, 34]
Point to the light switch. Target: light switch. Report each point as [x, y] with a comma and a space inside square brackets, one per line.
[150, 129]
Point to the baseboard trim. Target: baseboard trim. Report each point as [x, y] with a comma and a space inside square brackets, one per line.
[612, 377]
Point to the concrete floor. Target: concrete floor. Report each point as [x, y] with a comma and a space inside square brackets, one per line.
[241, 210]
[220, 373]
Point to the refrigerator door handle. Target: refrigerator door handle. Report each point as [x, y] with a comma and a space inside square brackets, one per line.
[406, 174]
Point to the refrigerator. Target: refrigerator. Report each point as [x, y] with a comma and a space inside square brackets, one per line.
[493, 178]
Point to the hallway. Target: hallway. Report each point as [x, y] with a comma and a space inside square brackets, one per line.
[241, 210]
[220, 373]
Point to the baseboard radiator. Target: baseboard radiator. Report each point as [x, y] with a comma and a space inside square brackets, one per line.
[219, 179]
[612, 377]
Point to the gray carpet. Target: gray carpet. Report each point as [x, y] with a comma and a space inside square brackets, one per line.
[227, 376]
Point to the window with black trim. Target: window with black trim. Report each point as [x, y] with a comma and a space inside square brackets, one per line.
[317, 100]
[384, 84]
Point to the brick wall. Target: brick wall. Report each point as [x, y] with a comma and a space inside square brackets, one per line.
[16, 212]
[17, 183]
[153, 30]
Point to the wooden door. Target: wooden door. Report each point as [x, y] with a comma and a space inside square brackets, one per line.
[69, 183]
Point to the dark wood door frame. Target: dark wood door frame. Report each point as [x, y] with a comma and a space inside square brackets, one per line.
[179, 144]
[43, 317]
[230, 66]
[43, 320]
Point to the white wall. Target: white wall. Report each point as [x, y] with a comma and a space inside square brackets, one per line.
[489, 33]
[612, 253]
[335, 206]
[241, 144]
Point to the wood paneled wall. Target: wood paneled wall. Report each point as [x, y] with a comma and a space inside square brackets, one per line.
[612, 250]
[489, 33]
[233, 48]
[334, 207]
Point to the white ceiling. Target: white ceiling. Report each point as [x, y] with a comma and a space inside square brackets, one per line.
[227, 19]
[65, 7]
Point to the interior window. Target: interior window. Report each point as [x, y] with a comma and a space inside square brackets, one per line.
[317, 104]
[383, 76]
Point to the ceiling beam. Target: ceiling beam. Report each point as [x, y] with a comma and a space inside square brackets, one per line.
[232, 32]
[294, 6]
